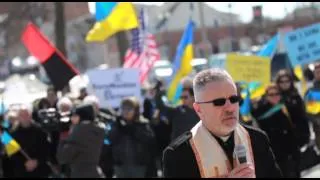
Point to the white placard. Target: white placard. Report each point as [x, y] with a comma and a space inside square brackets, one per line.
[112, 85]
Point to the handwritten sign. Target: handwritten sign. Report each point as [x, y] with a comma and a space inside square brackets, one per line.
[303, 44]
[249, 68]
[112, 85]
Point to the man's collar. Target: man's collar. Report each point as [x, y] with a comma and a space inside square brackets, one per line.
[224, 139]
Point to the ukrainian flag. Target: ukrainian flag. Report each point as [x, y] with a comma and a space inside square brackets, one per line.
[312, 100]
[11, 145]
[256, 90]
[181, 64]
[245, 108]
[112, 17]
[270, 48]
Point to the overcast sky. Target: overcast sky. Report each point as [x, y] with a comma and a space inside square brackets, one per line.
[244, 9]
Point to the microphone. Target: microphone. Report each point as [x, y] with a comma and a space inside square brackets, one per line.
[241, 153]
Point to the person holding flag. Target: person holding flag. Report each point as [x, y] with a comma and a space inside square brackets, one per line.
[31, 161]
[296, 108]
[273, 117]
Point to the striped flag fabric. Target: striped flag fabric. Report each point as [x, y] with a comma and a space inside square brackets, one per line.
[11, 145]
[59, 70]
[143, 51]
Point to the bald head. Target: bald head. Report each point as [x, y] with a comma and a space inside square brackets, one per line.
[208, 76]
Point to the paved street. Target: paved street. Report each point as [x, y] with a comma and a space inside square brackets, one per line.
[312, 173]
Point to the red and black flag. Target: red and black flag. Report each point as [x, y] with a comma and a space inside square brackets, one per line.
[59, 70]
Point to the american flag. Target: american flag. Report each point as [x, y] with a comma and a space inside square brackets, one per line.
[143, 51]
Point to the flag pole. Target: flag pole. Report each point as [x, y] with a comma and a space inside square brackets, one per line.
[25, 154]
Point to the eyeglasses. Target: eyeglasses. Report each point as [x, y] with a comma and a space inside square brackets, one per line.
[222, 101]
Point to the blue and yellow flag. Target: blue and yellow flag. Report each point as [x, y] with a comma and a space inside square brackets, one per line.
[11, 145]
[312, 101]
[245, 108]
[270, 48]
[182, 62]
[112, 17]
[256, 90]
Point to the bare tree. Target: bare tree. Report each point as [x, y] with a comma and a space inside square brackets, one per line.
[15, 17]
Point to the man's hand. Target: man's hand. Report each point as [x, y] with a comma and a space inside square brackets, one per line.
[31, 165]
[245, 170]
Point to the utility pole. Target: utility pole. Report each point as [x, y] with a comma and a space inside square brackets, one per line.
[231, 27]
[60, 36]
[202, 25]
[122, 42]
[204, 36]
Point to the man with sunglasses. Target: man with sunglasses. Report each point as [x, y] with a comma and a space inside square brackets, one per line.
[208, 150]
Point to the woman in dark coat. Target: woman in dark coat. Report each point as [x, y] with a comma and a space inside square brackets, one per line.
[296, 108]
[82, 148]
[272, 116]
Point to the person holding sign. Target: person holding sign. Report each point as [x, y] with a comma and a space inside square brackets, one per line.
[273, 117]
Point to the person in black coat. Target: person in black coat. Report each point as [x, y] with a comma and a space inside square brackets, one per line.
[180, 162]
[132, 141]
[34, 142]
[273, 117]
[208, 149]
[181, 118]
[295, 105]
[159, 124]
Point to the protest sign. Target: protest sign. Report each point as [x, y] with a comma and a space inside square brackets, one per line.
[112, 85]
[303, 45]
[249, 68]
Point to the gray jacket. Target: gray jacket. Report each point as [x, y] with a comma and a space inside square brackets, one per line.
[82, 149]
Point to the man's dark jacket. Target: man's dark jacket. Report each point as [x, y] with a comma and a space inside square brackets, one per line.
[179, 159]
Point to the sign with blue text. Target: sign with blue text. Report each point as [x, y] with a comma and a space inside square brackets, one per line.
[303, 44]
[112, 85]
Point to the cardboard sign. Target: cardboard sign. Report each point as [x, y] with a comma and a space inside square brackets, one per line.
[249, 68]
[303, 45]
[112, 85]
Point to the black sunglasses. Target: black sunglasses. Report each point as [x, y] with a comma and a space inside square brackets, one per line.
[222, 101]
